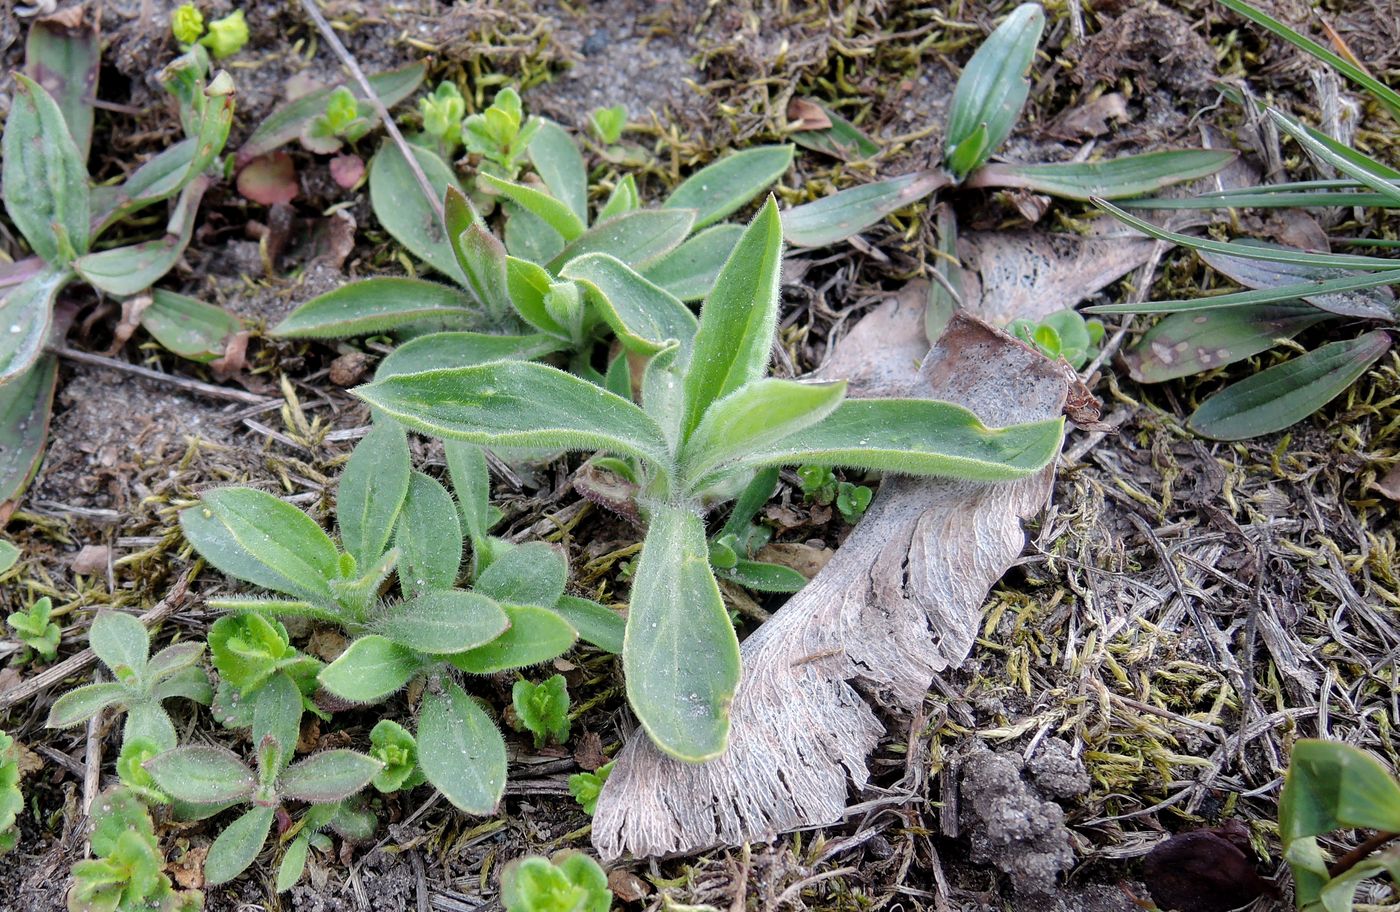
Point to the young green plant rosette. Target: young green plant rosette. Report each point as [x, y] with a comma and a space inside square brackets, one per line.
[709, 421]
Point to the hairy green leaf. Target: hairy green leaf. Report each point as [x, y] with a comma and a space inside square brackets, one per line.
[595, 623]
[437, 351]
[643, 315]
[720, 189]
[471, 481]
[372, 490]
[188, 327]
[623, 198]
[636, 238]
[557, 161]
[535, 636]
[238, 845]
[406, 213]
[689, 271]
[481, 257]
[443, 622]
[372, 668]
[763, 577]
[331, 775]
[461, 752]
[120, 641]
[26, 403]
[376, 305]
[82, 703]
[26, 314]
[429, 537]
[543, 708]
[530, 574]
[551, 211]
[202, 774]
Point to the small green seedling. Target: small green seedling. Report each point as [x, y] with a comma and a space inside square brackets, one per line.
[709, 421]
[34, 629]
[187, 23]
[126, 872]
[442, 114]
[63, 218]
[226, 36]
[133, 775]
[351, 820]
[820, 485]
[1334, 786]
[9, 555]
[395, 747]
[393, 520]
[261, 675]
[500, 135]
[571, 882]
[345, 119]
[543, 709]
[586, 787]
[1062, 334]
[607, 124]
[11, 798]
[851, 501]
[214, 777]
[141, 684]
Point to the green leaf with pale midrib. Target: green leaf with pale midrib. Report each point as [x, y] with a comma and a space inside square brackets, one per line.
[992, 89]
[1116, 178]
[721, 188]
[461, 752]
[849, 212]
[376, 305]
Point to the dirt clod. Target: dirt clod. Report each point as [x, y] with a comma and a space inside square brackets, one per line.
[1012, 826]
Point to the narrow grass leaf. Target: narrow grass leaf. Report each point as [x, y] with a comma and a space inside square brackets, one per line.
[1375, 303]
[720, 189]
[1285, 394]
[1117, 178]
[1271, 295]
[1381, 179]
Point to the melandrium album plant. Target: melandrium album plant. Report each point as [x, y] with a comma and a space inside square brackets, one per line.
[542, 709]
[394, 520]
[34, 629]
[709, 420]
[141, 684]
[569, 882]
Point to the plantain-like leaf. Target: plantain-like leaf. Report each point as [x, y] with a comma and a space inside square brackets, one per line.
[843, 139]
[45, 180]
[737, 320]
[536, 635]
[372, 491]
[719, 189]
[26, 314]
[1377, 303]
[624, 198]
[327, 776]
[849, 212]
[756, 416]
[287, 122]
[1189, 343]
[560, 165]
[406, 213]
[595, 623]
[436, 351]
[481, 257]
[26, 404]
[1117, 178]
[238, 845]
[376, 305]
[689, 271]
[546, 208]
[1285, 394]
[461, 751]
[66, 60]
[636, 238]
[680, 656]
[530, 574]
[251, 535]
[443, 622]
[513, 403]
[188, 327]
[988, 98]
[916, 437]
[132, 269]
[82, 703]
[642, 314]
[372, 668]
[428, 536]
[147, 720]
[202, 774]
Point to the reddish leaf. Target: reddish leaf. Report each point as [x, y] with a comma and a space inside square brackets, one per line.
[347, 170]
[269, 179]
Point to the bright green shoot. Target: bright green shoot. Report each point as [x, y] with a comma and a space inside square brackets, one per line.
[126, 870]
[11, 799]
[543, 709]
[570, 882]
[709, 421]
[34, 629]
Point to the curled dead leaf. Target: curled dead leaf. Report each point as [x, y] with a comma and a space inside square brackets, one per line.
[807, 115]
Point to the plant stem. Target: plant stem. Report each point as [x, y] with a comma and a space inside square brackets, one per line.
[1358, 854]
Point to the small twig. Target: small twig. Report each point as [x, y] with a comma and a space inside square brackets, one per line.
[372, 97]
[92, 760]
[79, 662]
[1358, 854]
[195, 386]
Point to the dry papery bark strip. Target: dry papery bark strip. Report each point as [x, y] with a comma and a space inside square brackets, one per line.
[898, 603]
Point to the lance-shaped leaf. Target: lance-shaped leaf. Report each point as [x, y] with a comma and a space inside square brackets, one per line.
[376, 305]
[988, 98]
[1285, 394]
[528, 284]
[849, 212]
[372, 668]
[429, 537]
[26, 403]
[635, 238]
[436, 351]
[1375, 303]
[1189, 343]
[528, 237]
[535, 636]
[120, 641]
[238, 845]
[372, 491]
[917, 437]
[689, 271]
[65, 60]
[624, 198]
[461, 752]
[406, 213]
[680, 655]
[558, 163]
[720, 189]
[530, 574]
[188, 327]
[643, 315]
[481, 257]
[253, 536]
[328, 776]
[277, 709]
[202, 774]
[513, 403]
[595, 623]
[546, 208]
[737, 320]
[762, 576]
[132, 269]
[754, 417]
[1117, 178]
[26, 313]
[443, 622]
[45, 180]
[1310, 290]
[843, 139]
[287, 122]
[82, 703]
[471, 481]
